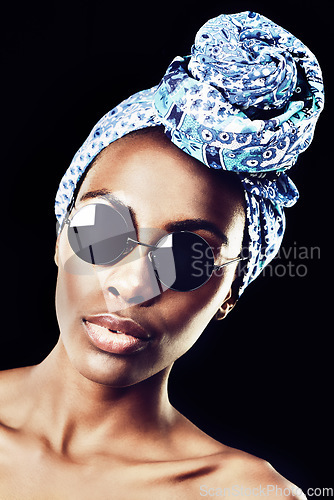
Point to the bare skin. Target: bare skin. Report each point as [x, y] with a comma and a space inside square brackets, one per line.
[89, 424]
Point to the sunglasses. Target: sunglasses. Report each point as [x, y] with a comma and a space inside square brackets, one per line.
[182, 261]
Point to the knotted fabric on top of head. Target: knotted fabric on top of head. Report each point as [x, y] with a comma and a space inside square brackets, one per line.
[246, 100]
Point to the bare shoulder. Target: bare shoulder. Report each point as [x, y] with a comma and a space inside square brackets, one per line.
[12, 393]
[246, 476]
[10, 379]
[223, 471]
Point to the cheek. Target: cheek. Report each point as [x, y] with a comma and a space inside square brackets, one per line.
[186, 315]
[69, 297]
[75, 289]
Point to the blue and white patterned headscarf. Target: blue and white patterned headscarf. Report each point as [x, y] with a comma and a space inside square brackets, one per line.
[246, 100]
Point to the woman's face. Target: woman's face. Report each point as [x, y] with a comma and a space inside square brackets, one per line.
[163, 186]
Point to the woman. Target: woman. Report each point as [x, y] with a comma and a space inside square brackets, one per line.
[151, 245]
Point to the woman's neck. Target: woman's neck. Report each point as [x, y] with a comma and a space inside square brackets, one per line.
[74, 413]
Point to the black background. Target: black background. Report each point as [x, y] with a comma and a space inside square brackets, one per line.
[261, 379]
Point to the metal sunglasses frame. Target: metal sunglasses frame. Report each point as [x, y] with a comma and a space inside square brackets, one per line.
[126, 250]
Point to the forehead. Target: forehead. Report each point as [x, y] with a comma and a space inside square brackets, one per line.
[162, 183]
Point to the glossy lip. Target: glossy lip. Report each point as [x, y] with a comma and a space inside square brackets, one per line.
[114, 334]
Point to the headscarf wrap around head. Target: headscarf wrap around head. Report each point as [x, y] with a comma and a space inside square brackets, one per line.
[246, 100]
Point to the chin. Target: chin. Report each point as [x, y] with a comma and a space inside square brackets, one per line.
[111, 370]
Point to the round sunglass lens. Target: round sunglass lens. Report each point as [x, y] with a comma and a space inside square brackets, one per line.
[98, 234]
[183, 260]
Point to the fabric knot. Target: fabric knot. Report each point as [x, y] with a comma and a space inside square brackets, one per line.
[279, 189]
[246, 100]
[247, 57]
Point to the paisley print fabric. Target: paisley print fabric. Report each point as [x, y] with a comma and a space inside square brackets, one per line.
[246, 100]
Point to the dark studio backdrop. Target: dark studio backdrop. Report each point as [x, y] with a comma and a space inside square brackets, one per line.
[261, 379]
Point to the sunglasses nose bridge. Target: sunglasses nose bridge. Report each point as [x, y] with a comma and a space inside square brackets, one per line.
[133, 278]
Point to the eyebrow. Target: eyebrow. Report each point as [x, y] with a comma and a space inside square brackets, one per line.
[196, 225]
[103, 193]
[182, 225]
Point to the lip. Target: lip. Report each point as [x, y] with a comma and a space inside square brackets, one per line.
[114, 334]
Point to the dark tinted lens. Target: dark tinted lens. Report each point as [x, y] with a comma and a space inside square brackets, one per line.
[98, 234]
[184, 261]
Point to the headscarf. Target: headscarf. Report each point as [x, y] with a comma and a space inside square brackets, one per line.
[246, 100]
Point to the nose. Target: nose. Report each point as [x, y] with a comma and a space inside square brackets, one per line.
[132, 281]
